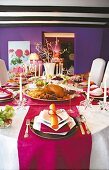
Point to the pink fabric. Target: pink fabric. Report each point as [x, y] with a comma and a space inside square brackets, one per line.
[18, 70]
[50, 154]
[45, 128]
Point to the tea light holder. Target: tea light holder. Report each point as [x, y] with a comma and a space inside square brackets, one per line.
[87, 103]
[103, 106]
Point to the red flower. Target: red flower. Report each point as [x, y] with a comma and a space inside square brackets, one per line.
[19, 53]
[26, 52]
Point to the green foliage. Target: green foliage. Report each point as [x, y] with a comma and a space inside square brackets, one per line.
[16, 60]
[5, 114]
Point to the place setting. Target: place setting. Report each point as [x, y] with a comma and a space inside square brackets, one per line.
[5, 95]
[53, 123]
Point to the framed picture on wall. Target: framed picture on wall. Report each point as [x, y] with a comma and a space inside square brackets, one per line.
[18, 53]
[65, 42]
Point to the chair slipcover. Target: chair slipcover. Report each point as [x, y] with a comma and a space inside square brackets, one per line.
[97, 70]
[106, 73]
[3, 72]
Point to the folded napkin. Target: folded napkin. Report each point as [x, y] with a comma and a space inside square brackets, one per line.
[44, 125]
[6, 92]
[62, 130]
[97, 92]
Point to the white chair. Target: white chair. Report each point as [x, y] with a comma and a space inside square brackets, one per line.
[3, 72]
[106, 73]
[97, 70]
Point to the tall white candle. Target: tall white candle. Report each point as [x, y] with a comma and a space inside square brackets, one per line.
[35, 70]
[20, 82]
[88, 89]
[39, 69]
[105, 89]
[25, 66]
[33, 62]
[48, 58]
[56, 69]
[30, 67]
[61, 68]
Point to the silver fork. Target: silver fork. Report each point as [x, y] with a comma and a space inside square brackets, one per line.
[26, 135]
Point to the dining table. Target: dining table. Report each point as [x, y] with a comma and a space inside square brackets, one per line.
[39, 151]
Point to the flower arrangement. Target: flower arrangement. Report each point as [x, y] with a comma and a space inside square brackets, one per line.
[49, 50]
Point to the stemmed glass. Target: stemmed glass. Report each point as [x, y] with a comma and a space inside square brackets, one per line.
[70, 106]
[87, 104]
[103, 106]
[20, 104]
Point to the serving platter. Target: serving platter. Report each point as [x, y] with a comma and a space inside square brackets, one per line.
[50, 100]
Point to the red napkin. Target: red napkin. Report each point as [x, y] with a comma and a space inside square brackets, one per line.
[9, 94]
[64, 128]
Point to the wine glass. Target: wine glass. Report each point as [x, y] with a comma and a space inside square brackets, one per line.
[20, 104]
[70, 106]
[104, 106]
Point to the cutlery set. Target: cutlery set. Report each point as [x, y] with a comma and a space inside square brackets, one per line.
[81, 119]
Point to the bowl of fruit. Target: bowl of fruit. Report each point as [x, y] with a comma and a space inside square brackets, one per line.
[6, 116]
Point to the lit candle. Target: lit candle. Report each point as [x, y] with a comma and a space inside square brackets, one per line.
[105, 89]
[88, 89]
[20, 82]
[39, 69]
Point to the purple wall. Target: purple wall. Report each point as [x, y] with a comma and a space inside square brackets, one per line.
[105, 45]
[88, 42]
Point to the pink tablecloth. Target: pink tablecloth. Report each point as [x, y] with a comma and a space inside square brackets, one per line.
[50, 154]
